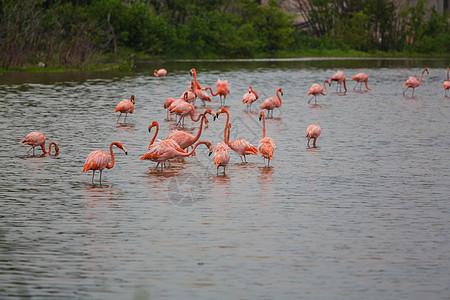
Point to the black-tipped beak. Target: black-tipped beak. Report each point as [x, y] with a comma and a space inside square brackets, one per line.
[260, 118]
[149, 130]
[282, 93]
[209, 153]
[126, 153]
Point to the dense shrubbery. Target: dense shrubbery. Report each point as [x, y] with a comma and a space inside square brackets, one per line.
[73, 33]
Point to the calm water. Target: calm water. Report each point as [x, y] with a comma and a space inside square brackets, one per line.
[363, 216]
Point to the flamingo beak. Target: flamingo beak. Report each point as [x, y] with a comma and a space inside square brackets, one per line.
[210, 152]
[126, 152]
[260, 118]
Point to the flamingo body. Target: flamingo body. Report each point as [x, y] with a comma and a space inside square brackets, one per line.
[223, 90]
[313, 132]
[266, 145]
[36, 138]
[412, 82]
[317, 89]
[221, 155]
[160, 73]
[250, 97]
[271, 103]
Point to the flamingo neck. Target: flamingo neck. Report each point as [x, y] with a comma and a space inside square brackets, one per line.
[193, 149]
[345, 86]
[367, 87]
[325, 86]
[200, 129]
[226, 127]
[212, 93]
[228, 137]
[197, 85]
[264, 126]
[154, 137]
[421, 76]
[256, 95]
[111, 164]
[279, 98]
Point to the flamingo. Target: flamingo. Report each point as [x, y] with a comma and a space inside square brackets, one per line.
[167, 103]
[160, 73]
[313, 132]
[317, 89]
[222, 90]
[191, 97]
[125, 106]
[183, 109]
[447, 83]
[412, 82]
[36, 138]
[250, 97]
[272, 102]
[193, 73]
[161, 152]
[340, 78]
[221, 151]
[184, 139]
[98, 160]
[266, 146]
[240, 146]
[360, 78]
[200, 93]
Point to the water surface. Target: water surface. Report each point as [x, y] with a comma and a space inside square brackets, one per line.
[365, 215]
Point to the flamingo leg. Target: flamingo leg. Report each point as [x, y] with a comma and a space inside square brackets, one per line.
[413, 92]
[101, 177]
[125, 120]
[93, 171]
[32, 147]
[314, 142]
[311, 99]
[405, 90]
[118, 118]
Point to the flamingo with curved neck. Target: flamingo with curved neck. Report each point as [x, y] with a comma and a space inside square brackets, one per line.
[250, 97]
[317, 89]
[193, 73]
[266, 146]
[271, 103]
[36, 138]
[360, 78]
[240, 146]
[412, 82]
[98, 160]
[184, 139]
[222, 90]
[154, 124]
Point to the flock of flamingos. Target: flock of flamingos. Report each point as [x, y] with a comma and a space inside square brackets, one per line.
[178, 142]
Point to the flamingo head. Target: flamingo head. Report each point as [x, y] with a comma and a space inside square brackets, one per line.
[191, 87]
[329, 83]
[208, 144]
[279, 90]
[426, 69]
[192, 72]
[210, 111]
[250, 89]
[185, 96]
[222, 110]
[154, 123]
[119, 145]
[132, 99]
[261, 115]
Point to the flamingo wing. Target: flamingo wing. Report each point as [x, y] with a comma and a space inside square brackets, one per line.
[125, 106]
[243, 147]
[96, 160]
[34, 139]
[315, 89]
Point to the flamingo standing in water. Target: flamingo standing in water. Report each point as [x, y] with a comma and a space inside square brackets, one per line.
[317, 89]
[250, 97]
[167, 103]
[412, 82]
[98, 160]
[222, 90]
[271, 103]
[184, 139]
[35, 138]
[313, 132]
[266, 146]
[161, 152]
[447, 83]
[125, 106]
[339, 77]
[360, 78]
[221, 151]
[160, 73]
[183, 109]
[240, 146]
[200, 93]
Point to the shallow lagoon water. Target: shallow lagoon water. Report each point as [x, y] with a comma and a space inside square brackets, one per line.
[365, 215]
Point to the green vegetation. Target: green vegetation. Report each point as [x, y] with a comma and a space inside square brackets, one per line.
[83, 33]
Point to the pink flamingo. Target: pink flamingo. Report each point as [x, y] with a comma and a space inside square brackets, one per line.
[317, 89]
[98, 160]
[200, 93]
[447, 84]
[221, 151]
[240, 146]
[271, 103]
[313, 132]
[160, 73]
[161, 152]
[340, 78]
[266, 146]
[125, 106]
[191, 97]
[184, 139]
[222, 90]
[412, 82]
[193, 73]
[38, 139]
[360, 78]
[184, 109]
[250, 97]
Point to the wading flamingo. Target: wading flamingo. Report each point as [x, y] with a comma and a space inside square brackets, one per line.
[360, 78]
[184, 139]
[183, 109]
[412, 82]
[193, 73]
[221, 151]
[313, 132]
[250, 97]
[34, 139]
[98, 160]
[160, 73]
[200, 93]
[125, 106]
[160, 152]
[223, 90]
[271, 103]
[240, 146]
[266, 146]
[447, 84]
[317, 89]
[339, 77]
